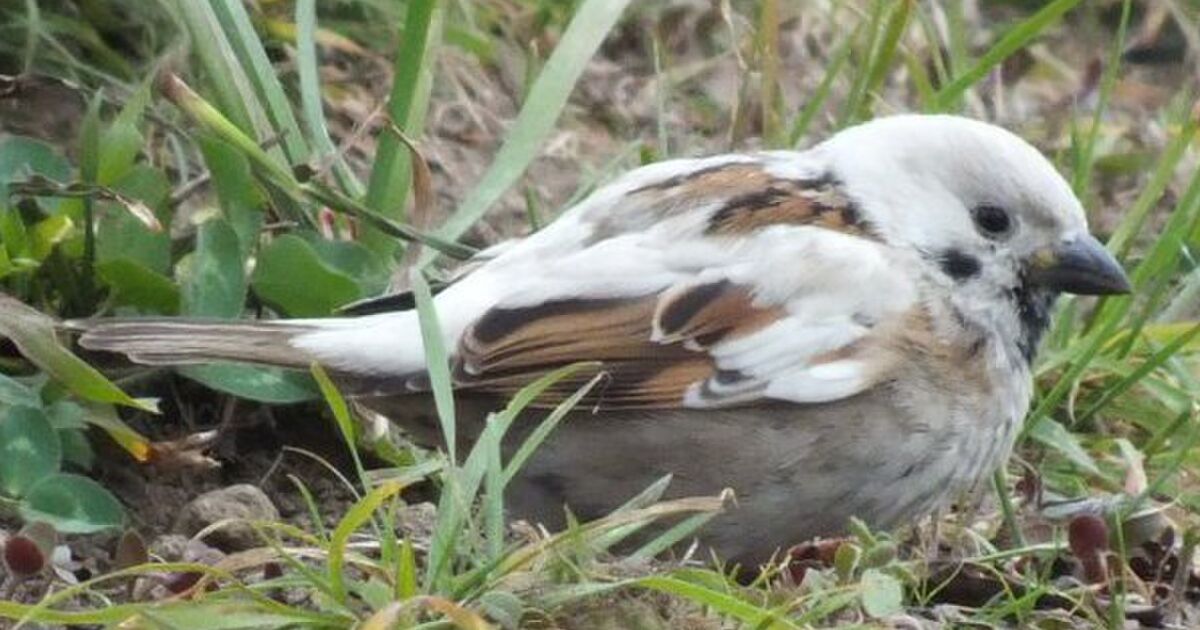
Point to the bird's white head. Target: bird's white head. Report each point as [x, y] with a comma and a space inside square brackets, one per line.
[988, 215]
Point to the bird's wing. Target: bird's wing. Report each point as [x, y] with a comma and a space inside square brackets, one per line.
[728, 282]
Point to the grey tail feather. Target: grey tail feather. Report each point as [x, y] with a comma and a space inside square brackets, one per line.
[174, 341]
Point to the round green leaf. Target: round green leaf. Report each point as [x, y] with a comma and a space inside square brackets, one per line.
[291, 276]
[135, 285]
[882, 594]
[29, 449]
[353, 260]
[14, 392]
[252, 382]
[76, 448]
[65, 414]
[73, 504]
[21, 157]
[214, 283]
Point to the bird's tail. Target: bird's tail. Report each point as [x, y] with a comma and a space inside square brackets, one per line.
[173, 341]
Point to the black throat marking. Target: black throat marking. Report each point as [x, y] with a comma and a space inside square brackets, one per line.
[1033, 305]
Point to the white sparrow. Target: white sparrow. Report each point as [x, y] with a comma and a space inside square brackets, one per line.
[843, 331]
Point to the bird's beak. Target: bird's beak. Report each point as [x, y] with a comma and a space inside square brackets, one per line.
[1080, 265]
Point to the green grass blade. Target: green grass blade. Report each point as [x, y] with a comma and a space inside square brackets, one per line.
[543, 430]
[314, 511]
[591, 23]
[341, 416]
[406, 571]
[1013, 40]
[1122, 239]
[460, 487]
[227, 80]
[816, 101]
[1082, 174]
[391, 176]
[767, 41]
[493, 502]
[263, 77]
[882, 56]
[934, 44]
[274, 172]
[35, 337]
[676, 533]
[738, 608]
[358, 515]
[311, 103]
[437, 361]
[858, 89]
[642, 500]
[1149, 365]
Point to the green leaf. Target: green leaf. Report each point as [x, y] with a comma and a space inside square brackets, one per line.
[89, 139]
[882, 595]
[13, 392]
[73, 504]
[134, 285]
[215, 285]
[291, 277]
[34, 335]
[29, 449]
[121, 235]
[48, 233]
[105, 417]
[6, 264]
[353, 260]
[504, 607]
[21, 157]
[77, 449]
[263, 384]
[13, 234]
[239, 194]
[546, 100]
[65, 414]
[121, 141]
[1053, 434]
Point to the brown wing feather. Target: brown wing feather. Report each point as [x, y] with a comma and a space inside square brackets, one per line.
[509, 348]
[705, 314]
[651, 347]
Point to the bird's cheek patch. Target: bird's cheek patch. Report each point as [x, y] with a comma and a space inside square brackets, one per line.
[959, 265]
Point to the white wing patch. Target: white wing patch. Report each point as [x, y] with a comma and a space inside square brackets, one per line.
[818, 345]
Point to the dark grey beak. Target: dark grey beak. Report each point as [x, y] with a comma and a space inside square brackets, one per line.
[1081, 266]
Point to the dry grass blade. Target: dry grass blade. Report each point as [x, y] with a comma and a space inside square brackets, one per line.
[424, 200]
[38, 186]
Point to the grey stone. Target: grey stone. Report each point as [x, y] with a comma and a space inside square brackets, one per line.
[242, 502]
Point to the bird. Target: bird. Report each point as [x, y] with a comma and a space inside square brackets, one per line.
[845, 331]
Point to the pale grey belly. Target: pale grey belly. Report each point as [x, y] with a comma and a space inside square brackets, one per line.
[796, 471]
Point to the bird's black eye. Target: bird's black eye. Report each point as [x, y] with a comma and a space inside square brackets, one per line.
[992, 221]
